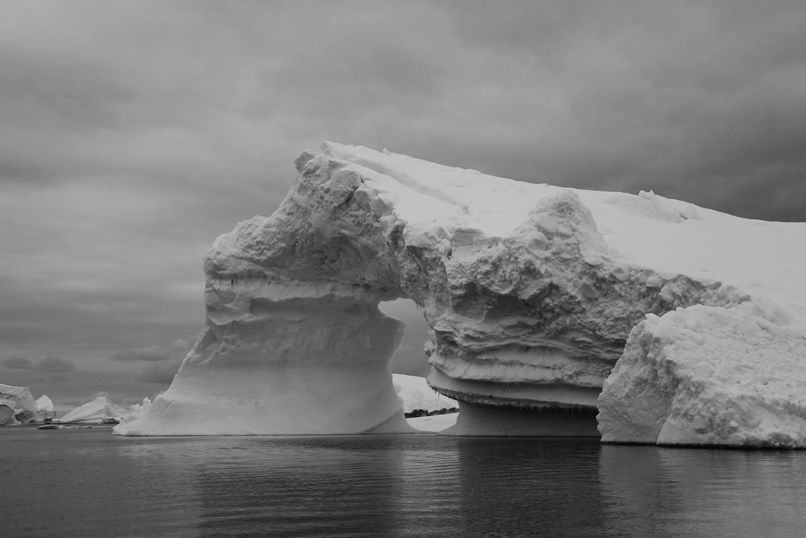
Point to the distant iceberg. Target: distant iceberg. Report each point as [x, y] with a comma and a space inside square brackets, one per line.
[418, 395]
[45, 406]
[96, 411]
[17, 405]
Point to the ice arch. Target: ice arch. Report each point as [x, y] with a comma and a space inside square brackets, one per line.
[528, 306]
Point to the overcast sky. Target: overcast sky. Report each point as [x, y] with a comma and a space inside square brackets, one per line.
[133, 133]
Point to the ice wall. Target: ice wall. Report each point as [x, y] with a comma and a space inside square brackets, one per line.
[282, 365]
[530, 292]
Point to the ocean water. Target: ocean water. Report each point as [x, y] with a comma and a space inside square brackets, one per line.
[86, 482]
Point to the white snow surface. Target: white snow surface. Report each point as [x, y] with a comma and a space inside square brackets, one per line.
[530, 292]
[763, 259]
[417, 394]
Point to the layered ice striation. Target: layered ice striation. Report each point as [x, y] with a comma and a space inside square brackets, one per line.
[530, 292]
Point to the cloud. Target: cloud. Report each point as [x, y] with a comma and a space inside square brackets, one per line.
[48, 364]
[135, 134]
[181, 345]
[17, 363]
[160, 373]
[145, 354]
[164, 361]
[54, 364]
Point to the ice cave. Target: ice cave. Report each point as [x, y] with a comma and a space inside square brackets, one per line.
[533, 295]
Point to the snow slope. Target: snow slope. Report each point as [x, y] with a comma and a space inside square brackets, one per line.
[530, 292]
[94, 411]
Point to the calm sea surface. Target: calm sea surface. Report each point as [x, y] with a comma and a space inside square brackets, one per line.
[88, 483]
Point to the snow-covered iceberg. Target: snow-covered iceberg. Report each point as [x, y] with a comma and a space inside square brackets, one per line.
[530, 292]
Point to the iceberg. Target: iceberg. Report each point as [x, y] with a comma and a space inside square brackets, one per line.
[531, 293]
[6, 411]
[45, 407]
[96, 411]
[17, 405]
[418, 395]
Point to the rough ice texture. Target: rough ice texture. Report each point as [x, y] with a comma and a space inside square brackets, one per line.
[530, 292]
[708, 376]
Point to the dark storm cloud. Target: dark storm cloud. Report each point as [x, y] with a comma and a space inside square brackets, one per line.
[48, 364]
[55, 365]
[696, 100]
[17, 363]
[136, 132]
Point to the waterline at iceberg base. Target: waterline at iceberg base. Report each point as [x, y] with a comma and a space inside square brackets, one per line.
[530, 291]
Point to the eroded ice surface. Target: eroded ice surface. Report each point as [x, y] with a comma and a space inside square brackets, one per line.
[708, 376]
[530, 292]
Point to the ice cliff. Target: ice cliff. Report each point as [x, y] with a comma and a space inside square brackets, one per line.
[530, 291]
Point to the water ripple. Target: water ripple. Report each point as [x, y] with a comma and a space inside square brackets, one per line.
[91, 484]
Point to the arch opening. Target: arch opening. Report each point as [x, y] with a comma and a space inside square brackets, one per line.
[409, 358]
